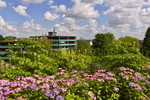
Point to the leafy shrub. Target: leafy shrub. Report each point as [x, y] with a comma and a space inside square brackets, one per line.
[124, 84]
[71, 61]
[34, 57]
[134, 61]
[123, 54]
[120, 47]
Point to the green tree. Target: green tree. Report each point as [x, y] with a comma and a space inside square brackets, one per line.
[10, 38]
[134, 41]
[44, 41]
[120, 47]
[146, 44]
[101, 42]
[83, 47]
[33, 57]
[1, 38]
[123, 54]
[134, 61]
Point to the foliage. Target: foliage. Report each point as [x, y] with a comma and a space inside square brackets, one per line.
[1, 38]
[33, 72]
[33, 56]
[124, 84]
[146, 44]
[120, 47]
[70, 61]
[45, 41]
[134, 61]
[134, 41]
[83, 47]
[123, 54]
[101, 41]
[10, 38]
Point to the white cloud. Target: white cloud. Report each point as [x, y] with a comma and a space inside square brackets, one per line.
[126, 18]
[29, 26]
[123, 17]
[48, 16]
[21, 10]
[11, 28]
[146, 2]
[25, 29]
[2, 4]
[5, 28]
[93, 1]
[32, 1]
[2, 22]
[82, 10]
[144, 15]
[61, 8]
[122, 12]
[50, 2]
[145, 12]
[69, 27]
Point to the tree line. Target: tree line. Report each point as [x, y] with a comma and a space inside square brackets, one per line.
[103, 43]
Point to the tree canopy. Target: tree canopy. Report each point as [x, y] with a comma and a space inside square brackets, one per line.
[134, 41]
[146, 43]
[10, 38]
[1, 38]
[83, 47]
[121, 47]
[101, 42]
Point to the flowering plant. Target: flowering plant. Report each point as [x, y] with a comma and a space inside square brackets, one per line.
[124, 84]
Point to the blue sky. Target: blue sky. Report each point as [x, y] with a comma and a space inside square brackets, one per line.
[82, 18]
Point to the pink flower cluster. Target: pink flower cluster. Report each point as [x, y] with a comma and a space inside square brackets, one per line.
[51, 86]
[53, 82]
[136, 86]
[37, 83]
[130, 74]
[100, 76]
[147, 68]
[91, 94]
[126, 69]
[55, 85]
[135, 76]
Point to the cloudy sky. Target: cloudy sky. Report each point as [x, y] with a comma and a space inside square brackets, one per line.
[82, 18]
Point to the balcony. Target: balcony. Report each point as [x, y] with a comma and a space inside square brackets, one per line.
[5, 58]
[4, 46]
[62, 48]
[64, 40]
[64, 44]
[4, 52]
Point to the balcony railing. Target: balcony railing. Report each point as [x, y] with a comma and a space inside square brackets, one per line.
[64, 40]
[5, 58]
[4, 46]
[62, 48]
[3, 52]
[64, 44]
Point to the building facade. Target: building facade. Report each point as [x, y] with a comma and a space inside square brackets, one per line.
[60, 42]
[4, 45]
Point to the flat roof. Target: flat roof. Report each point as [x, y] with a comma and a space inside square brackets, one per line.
[53, 36]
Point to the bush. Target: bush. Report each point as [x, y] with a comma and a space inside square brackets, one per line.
[33, 57]
[124, 84]
[71, 61]
[134, 61]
